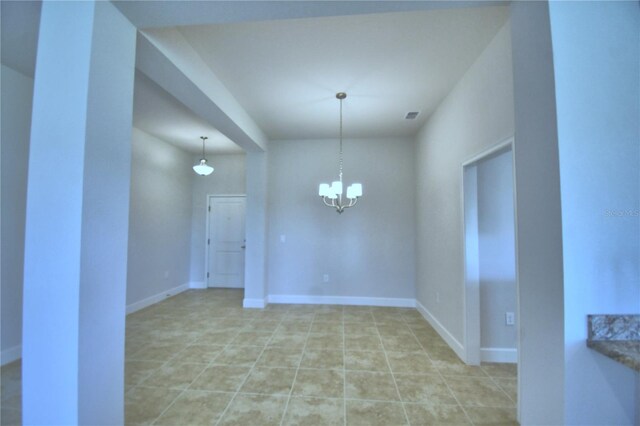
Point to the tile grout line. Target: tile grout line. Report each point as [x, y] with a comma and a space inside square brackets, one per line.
[487, 375]
[175, 356]
[194, 380]
[500, 387]
[386, 357]
[289, 313]
[208, 365]
[444, 381]
[333, 398]
[221, 416]
[344, 372]
[295, 375]
[140, 383]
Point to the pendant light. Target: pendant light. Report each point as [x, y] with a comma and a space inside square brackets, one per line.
[202, 168]
[332, 194]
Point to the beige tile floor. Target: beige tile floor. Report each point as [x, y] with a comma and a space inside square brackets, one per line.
[199, 358]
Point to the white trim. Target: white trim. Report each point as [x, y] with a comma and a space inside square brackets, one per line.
[471, 311]
[253, 303]
[505, 145]
[471, 285]
[198, 284]
[152, 300]
[442, 331]
[226, 286]
[509, 355]
[9, 355]
[519, 338]
[343, 300]
[206, 236]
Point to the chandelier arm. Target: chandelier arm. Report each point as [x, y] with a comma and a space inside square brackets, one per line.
[324, 200]
[352, 202]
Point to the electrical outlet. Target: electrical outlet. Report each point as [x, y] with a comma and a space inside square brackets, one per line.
[325, 278]
[166, 274]
[437, 297]
[509, 318]
[283, 238]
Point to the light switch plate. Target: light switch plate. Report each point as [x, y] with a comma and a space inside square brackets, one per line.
[510, 318]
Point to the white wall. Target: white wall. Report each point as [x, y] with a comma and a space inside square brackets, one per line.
[496, 252]
[597, 70]
[228, 177]
[476, 114]
[369, 250]
[16, 97]
[77, 216]
[159, 218]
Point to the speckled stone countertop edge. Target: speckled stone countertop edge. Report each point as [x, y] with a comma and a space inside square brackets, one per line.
[626, 352]
[613, 327]
[617, 337]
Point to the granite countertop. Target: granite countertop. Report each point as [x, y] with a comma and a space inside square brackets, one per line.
[616, 336]
[626, 352]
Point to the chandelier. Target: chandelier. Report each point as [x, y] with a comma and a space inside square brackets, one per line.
[332, 194]
[202, 168]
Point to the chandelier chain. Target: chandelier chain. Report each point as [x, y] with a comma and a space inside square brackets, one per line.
[340, 140]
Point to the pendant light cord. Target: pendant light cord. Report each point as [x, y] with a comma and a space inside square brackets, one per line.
[340, 140]
[203, 139]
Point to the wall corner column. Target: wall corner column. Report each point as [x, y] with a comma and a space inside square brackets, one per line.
[255, 292]
[77, 216]
[538, 218]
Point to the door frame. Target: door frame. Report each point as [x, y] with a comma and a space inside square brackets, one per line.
[211, 197]
[471, 289]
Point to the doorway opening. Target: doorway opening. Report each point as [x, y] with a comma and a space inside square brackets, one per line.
[226, 243]
[491, 313]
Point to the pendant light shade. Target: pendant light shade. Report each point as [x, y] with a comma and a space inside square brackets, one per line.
[202, 168]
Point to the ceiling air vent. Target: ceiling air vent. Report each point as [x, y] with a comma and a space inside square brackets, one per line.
[411, 115]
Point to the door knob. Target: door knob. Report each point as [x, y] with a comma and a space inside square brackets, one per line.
[243, 247]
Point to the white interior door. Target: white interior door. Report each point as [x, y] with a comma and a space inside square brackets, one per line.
[226, 242]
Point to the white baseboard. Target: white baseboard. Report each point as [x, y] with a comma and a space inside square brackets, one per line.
[343, 300]
[9, 355]
[253, 303]
[241, 285]
[509, 355]
[453, 343]
[156, 298]
[197, 284]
